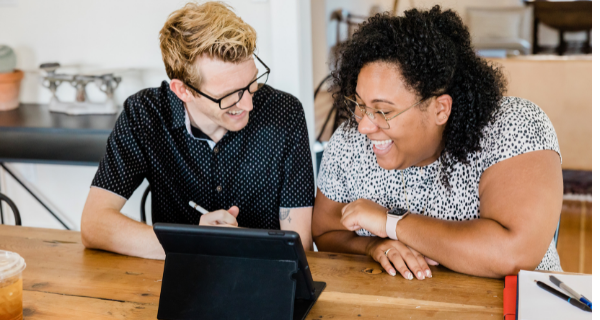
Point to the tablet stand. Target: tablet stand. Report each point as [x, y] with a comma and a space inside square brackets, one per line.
[216, 287]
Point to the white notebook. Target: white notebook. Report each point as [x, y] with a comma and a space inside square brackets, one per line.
[537, 303]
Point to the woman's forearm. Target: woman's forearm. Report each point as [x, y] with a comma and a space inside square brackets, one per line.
[479, 247]
[344, 242]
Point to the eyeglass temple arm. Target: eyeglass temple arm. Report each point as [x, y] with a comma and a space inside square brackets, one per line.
[403, 111]
[268, 69]
[201, 93]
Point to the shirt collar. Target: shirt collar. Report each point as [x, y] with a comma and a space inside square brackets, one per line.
[188, 127]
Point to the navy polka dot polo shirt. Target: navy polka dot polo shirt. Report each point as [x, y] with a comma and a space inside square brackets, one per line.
[263, 167]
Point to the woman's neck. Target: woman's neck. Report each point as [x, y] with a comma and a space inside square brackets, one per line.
[429, 160]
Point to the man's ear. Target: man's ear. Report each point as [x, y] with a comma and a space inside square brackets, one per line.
[443, 108]
[180, 90]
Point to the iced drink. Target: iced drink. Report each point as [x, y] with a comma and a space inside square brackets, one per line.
[11, 285]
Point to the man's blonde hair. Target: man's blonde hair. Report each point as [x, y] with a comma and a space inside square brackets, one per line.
[210, 28]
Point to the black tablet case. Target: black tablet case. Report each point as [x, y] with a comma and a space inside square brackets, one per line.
[231, 273]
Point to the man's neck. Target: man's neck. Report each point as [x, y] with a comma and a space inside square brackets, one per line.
[211, 129]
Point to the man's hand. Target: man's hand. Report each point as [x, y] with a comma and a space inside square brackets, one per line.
[365, 214]
[221, 218]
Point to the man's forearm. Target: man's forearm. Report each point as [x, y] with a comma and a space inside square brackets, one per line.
[112, 231]
[479, 247]
[343, 241]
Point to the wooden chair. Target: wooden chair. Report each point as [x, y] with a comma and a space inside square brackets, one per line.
[564, 16]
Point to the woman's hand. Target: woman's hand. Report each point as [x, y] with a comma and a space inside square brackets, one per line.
[368, 215]
[221, 218]
[403, 258]
[365, 214]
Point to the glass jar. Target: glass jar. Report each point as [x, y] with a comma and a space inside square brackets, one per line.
[11, 285]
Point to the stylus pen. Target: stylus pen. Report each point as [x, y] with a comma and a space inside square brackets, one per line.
[574, 293]
[563, 296]
[197, 207]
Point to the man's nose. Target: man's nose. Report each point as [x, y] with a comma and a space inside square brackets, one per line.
[246, 102]
[366, 126]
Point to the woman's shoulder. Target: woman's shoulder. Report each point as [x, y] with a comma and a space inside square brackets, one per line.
[515, 109]
[519, 126]
[519, 117]
[346, 138]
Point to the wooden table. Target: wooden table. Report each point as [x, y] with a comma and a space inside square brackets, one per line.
[63, 280]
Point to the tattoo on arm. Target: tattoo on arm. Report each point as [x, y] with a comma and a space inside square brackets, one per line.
[284, 214]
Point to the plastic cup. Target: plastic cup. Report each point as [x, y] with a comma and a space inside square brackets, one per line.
[11, 285]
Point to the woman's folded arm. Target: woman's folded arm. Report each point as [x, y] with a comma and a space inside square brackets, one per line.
[521, 200]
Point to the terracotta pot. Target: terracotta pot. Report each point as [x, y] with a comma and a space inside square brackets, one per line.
[10, 84]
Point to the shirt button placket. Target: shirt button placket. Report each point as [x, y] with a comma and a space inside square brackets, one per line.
[217, 170]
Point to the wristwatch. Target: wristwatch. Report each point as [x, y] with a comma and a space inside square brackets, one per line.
[393, 216]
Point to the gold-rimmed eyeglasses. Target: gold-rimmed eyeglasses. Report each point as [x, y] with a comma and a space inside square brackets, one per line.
[377, 117]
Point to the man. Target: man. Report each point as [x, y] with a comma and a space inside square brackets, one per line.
[216, 135]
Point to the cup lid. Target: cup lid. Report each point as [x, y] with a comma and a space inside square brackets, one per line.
[11, 263]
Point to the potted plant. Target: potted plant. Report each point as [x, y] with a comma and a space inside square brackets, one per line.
[10, 79]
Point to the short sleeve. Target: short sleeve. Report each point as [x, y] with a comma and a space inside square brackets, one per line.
[520, 127]
[123, 167]
[334, 166]
[298, 186]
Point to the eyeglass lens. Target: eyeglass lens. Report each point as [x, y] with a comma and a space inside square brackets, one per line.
[235, 97]
[376, 117]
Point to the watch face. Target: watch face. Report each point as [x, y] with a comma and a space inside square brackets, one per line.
[398, 211]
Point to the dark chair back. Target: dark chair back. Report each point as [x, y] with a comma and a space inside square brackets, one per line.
[143, 205]
[12, 206]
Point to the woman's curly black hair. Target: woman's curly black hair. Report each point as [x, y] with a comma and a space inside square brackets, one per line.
[433, 52]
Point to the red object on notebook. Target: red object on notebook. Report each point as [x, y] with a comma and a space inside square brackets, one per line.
[510, 297]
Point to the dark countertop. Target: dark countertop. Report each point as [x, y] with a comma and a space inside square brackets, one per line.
[31, 133]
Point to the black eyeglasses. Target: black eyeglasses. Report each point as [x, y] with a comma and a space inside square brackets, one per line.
[232, 98]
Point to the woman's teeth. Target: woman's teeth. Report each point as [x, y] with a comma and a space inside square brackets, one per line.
[235, 113]
[381, 144]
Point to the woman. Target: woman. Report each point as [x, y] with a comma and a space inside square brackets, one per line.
[430, 133]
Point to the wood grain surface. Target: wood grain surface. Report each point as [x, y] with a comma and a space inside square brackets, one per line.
[63, 280]
[575, 237]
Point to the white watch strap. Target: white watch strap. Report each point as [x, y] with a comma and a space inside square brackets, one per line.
[390, 226]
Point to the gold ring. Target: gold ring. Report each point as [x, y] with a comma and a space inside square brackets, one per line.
[386, 251]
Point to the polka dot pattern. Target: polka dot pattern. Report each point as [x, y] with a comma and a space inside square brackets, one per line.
[261, 168]
[349, 169]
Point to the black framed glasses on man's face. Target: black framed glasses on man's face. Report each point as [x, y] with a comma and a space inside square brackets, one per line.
[232, 98]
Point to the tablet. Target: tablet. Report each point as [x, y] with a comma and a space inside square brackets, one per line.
[220, 272]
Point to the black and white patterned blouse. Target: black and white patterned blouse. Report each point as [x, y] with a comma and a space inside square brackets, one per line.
[263, 167]
[349, 169]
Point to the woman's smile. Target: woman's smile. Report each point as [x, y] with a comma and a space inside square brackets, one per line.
[381, 147]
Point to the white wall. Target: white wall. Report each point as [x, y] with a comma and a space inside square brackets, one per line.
[102, 36]
[121, 36]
